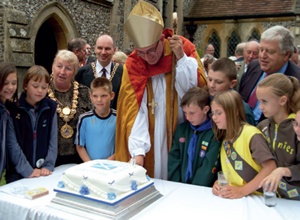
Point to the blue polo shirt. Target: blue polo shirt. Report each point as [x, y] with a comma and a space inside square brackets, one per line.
[97, 134]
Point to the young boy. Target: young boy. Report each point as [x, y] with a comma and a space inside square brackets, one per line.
[95, 138]
[222, 76]
[194, 156]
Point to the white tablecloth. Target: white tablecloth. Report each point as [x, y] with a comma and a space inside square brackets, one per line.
[179, 201]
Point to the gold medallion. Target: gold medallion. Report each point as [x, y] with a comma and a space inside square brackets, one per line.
[66, 131]
[66, 113]
[66, 110]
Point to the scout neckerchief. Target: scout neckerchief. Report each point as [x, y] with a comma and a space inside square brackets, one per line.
[192, 146]
[284, 187]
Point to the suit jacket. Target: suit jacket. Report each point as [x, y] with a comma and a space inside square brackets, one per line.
[239, 75]
[90, 59]
[250, 78]
[85, 76]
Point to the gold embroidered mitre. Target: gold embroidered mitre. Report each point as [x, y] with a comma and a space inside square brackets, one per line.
[144, 25]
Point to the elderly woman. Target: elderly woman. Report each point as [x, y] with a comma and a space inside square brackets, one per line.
[119, 57]
[72, 100]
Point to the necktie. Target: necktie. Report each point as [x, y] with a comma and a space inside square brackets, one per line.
[253, 99]
[103, 72]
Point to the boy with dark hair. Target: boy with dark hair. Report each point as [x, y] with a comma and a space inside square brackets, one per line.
[194, 156]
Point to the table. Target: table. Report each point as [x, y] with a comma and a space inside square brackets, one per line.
[179, 201]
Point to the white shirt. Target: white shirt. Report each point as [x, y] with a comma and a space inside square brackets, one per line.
[139, 139]
[99, 69]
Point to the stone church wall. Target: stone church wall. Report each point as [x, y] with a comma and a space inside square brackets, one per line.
[91, 19]
[17, 19]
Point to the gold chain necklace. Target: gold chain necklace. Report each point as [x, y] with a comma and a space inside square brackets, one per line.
[113, 72]
[66, 113]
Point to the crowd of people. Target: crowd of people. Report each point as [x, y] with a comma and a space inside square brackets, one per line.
[181, 117]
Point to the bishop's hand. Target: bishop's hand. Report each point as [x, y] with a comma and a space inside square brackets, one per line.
[139, 160]
[176, 46]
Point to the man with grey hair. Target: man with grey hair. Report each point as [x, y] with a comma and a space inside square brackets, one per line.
[209, 49]
[276, 48]
[250, 53]
[239, 55]
[77, 46]
[239, 50]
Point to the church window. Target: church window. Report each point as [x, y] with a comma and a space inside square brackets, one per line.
[215, 40]
[255, 35]
[233, 40]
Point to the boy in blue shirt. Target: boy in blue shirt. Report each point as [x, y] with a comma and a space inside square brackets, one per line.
[95, 137]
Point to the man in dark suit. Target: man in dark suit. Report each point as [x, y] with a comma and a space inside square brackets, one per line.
[250, 53]
[103, 67]
[89, 56]
[77, 46]
[276, 47]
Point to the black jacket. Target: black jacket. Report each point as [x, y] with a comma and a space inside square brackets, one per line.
[250, 78]
[26, 133]
[85, 76]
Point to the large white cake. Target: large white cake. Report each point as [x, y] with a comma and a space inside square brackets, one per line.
[104, 180]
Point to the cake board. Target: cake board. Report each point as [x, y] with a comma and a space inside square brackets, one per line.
[93, 209]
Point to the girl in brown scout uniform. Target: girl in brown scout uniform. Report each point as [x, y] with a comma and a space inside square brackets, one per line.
[244, 151]
[278, 95]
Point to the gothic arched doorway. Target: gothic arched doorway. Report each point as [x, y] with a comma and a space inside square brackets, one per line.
[45, 46]
[51, 29]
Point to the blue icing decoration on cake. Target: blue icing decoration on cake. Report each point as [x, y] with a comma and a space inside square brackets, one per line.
[104, 166]
[61, 184]
[84, 190]
[134, 185]
[148, 178]
[111, 196]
